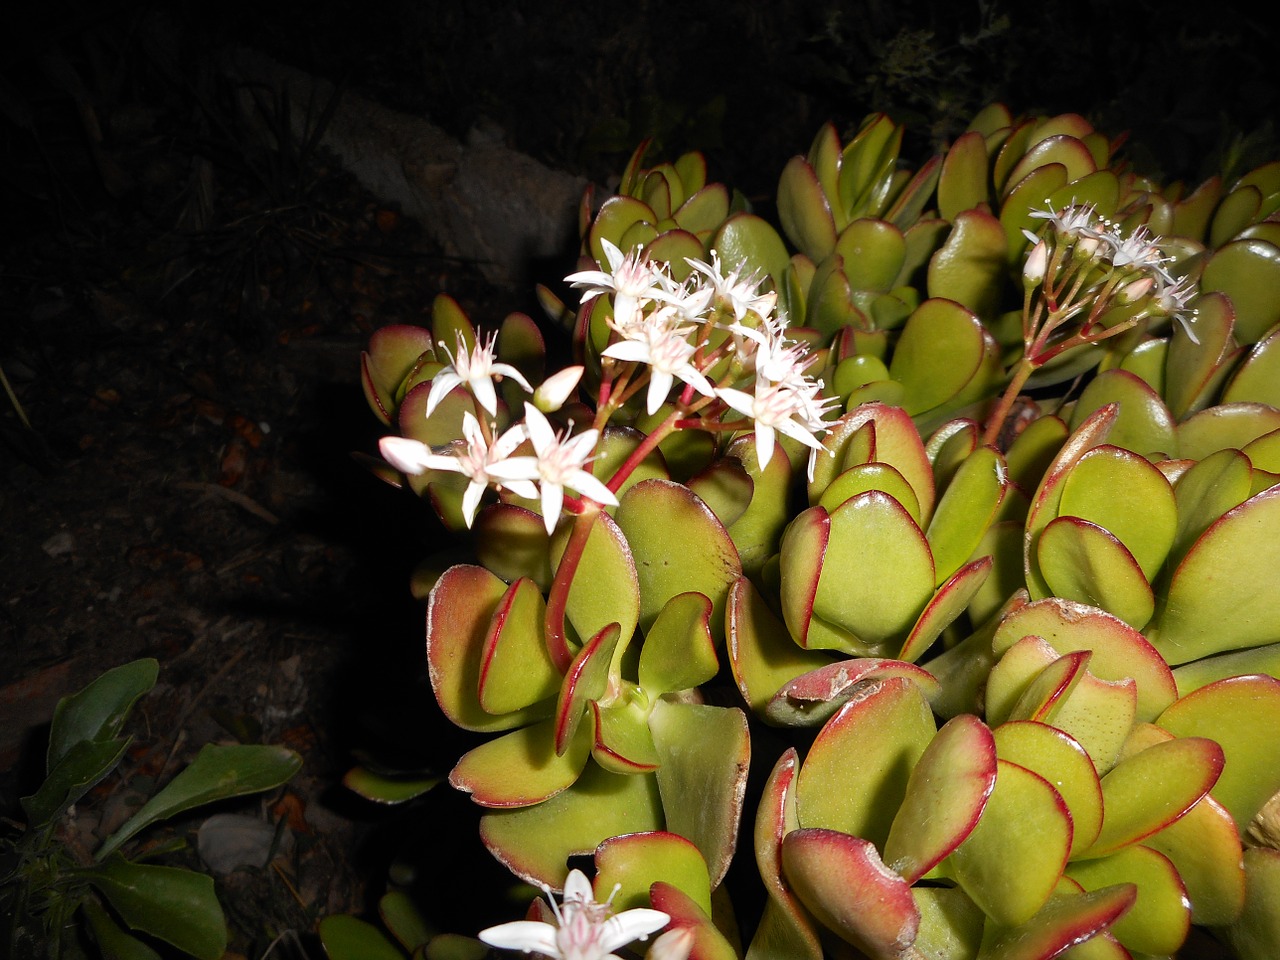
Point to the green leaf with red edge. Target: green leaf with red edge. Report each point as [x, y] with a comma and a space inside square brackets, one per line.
[804, 544]
[1227, 426]
[1200, 673]
[963, 182]
[871, 476]
[877, 572]
[1193, 370]
[1160, 918]
[941, 349]
[515, 669]
[1048, 495]
[1061, 760]
[1204, 845]
[1205, 612]
[616, 216]
[757, 533]
[708, 942]
[967, 508]
[1011, 861]
[1099, 714]
[704, 210]
[605, 588]
[786, 929]
[1151, 789]
[1126, 495]
[809, 699]
[873, 252]
[945, 795]
[855, 775]
[1059, 148]
[1256, 378]
[1119, 651]
[1256, 934]
[520, 768]
[1049, 690]
[623, 743]
[1085, 562]
[762, 655]
[895, 441]
[970, 267]
[513, 543]
[950, 922]
[535, 842]
[843, 882]
[679, 649]
[393, 352]
[1204, 492]
[726, 487]
[459, 611]
[1069, 917]
[1241, 714]
[636, 861]
[751, 240]
[1016, 669]
[678, 546]
[952, 599]
[1248, 271]
[1034, 451]
[704, 752]
[804, 211]
[586, 679]
[1144, 425]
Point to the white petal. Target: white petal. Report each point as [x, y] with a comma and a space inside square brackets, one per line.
[514, 469]
[521, 488]
[557, 388]
[443, 382]
[539, 428]
[482, 389]
[659, 387]
[693, 376]
[631, 925]
[591, 486]
[526, 935]
[764, 443]
[471, 501]
[507, 370]
[614, 255]
[576, 885]
[739, 400]
[406, 455]
[634, 350]
[552, 503]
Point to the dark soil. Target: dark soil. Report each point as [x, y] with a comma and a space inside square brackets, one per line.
[184, 306]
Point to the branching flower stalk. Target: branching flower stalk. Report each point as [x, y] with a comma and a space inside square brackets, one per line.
[1084, 265]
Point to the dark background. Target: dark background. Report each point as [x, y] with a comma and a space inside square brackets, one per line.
[168, 285]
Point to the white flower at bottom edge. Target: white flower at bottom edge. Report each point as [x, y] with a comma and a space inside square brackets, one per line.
[557, 465]
[584, 928]
[790, 408]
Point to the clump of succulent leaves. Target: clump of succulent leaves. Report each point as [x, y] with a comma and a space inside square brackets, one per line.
[58, 900]
[949, 505]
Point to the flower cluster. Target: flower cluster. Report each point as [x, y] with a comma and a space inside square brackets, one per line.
[662, 332]
[1099, 265]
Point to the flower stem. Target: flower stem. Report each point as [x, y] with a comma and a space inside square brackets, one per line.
[558, 597]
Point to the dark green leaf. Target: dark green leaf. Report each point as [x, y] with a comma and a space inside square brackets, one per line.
[99, 710]
[175, 905]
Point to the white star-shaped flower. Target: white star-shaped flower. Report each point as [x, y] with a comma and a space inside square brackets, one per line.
[556, 465]
[474, 457]
[633, 282]
[662, 343]
[790, 408]
[475, 369]
[584, 929]
[737, 293]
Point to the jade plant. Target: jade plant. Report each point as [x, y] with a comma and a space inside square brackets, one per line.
[949, 504]
[58, 900]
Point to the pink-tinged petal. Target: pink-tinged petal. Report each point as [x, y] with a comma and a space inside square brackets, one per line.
[578, 887]
[527, 935]
[635, 351]
[630, 925]
[764, 443]
[407, 456]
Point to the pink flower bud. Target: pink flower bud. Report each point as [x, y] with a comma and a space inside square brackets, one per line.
[556, 389]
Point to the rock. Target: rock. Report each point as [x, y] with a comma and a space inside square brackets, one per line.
[480, 200]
